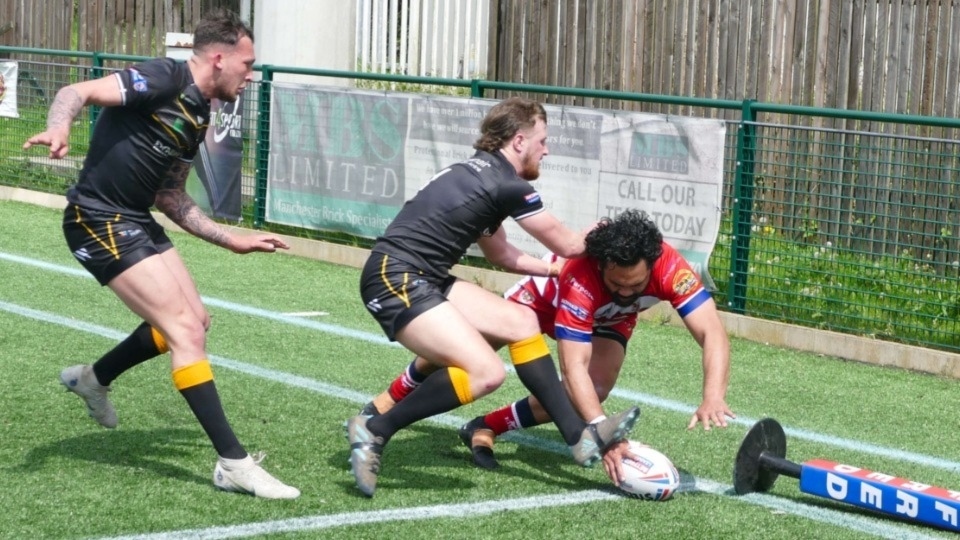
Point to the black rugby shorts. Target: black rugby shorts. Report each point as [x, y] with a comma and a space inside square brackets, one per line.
[395, 292]
[107, 244]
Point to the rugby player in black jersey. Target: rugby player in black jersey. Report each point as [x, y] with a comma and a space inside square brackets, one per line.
[154, 118]
[455, 324]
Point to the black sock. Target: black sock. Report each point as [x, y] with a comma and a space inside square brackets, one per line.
[541, 378]
[436, 395]
[204, 401]
[137, 348]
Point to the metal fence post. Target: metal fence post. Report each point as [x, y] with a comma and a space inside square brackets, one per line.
[476, 90]
[742, 209]
[263, 148]
[95, 73]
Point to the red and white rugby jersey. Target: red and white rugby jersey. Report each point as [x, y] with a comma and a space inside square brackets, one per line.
[571, 306]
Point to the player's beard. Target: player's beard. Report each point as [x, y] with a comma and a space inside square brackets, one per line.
[529, 168]
[229, 96]
[625, 301]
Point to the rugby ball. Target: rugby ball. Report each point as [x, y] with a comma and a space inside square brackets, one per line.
[649, 475]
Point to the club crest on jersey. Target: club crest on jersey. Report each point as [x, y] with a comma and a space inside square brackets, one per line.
[139, 83]
[684, 282]
[532, 198]
[525, 297]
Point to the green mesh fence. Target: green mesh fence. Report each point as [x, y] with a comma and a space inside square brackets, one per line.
[855, 232]
[848, 224]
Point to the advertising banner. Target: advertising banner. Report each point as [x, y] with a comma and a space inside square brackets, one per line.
[336, 159]
[8, 90]
[346, 160]
[218, 170]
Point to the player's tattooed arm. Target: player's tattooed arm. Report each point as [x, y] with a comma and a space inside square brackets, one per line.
[173, 200]
[65, 107]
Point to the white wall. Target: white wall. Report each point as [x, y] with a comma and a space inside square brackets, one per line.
[316, 34]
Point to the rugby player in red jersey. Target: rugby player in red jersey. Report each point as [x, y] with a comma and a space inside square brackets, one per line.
[591, 311]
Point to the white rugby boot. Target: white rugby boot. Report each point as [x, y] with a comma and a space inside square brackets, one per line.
[247, 476]
[81, 381]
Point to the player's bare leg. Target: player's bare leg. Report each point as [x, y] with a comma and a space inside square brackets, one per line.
[160, 290]
[469, 369]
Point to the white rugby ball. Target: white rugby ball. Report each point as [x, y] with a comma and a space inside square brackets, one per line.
[650, 476]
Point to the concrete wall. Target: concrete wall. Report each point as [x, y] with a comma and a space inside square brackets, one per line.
[319, 34]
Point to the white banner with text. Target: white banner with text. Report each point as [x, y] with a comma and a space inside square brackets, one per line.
[346, 160]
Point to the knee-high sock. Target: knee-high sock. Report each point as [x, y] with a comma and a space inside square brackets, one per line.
[442, 391]
[534, 365]
[195, 383]
[406, 382]
[517, 415]
[144, 343]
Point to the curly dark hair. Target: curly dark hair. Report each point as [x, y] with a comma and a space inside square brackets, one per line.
[220, 26]
[626, 240]
[505, 119]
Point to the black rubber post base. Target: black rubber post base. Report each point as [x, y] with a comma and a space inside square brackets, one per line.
[760, 459]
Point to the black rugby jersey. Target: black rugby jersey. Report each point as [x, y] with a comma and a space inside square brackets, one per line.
[163, 118]
[460, 204]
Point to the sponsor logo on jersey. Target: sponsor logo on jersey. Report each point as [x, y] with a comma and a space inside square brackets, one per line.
[82, 254]
[684, 282]
[532, 198]
[577, 286]
[178, 125]
[611, 314]
[130, 233]
[573, 309]
[139, 83]
[164, 149]
[189, 101]
[374, 305]
[476, 164]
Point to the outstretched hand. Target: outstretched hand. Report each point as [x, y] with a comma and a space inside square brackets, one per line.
[711, 412]
[267, 243]
[58, 143]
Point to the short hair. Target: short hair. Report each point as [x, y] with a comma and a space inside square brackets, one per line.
[626, 240]
[220, 26]
[505, 120]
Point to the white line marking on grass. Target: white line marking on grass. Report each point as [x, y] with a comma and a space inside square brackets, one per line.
[638, 397]
[379, 516]
[296, 321]
[466, 510]
[830, 516]
[848, 444]
[230, 306]
[833, 517]
[306, 314]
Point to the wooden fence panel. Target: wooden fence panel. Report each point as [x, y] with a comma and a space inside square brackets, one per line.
[882, 55]
[135, 27]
